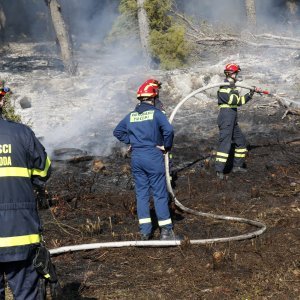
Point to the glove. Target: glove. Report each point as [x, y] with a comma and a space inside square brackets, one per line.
[258, 90]
[255, 90]
[252, 91]
[43, 264]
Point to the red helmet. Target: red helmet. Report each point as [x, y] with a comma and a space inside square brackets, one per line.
[4, 91]
[147, 90]
[231, 69]
[154, 83]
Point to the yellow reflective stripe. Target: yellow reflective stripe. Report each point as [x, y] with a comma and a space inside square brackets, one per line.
[15, 172]
[241, 150]
[239, 155]
[221, 159]
[42, 173]
[222, 154]
[227, 91]
[145, 221]
[227, 106]
[19, 240]
[243, 100]
[231, 98]
[165, 222]
[145, 95]
[24, 172]
[47, 275]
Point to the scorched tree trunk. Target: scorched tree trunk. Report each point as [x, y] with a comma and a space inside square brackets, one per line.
[144, 30]
[62, 35]
[251, 12]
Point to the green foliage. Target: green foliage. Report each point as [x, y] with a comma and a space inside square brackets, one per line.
[125, 28]
[158, 14]
[128, 7]
[8, 110]
[167, 39]
[170, 47]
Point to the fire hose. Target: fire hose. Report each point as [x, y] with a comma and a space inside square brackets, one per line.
[157, 243]
[262, 227]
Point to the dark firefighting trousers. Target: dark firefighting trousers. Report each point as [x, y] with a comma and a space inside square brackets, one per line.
[229, 132]
[148, 171]
[22, 279]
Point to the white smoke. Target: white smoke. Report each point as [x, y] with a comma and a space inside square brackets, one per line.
[82, 111]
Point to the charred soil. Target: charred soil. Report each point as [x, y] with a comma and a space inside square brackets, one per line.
[92, 200]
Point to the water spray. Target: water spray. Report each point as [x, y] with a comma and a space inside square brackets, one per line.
[157, 243]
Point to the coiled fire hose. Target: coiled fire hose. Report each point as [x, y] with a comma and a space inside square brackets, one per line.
[157, 243]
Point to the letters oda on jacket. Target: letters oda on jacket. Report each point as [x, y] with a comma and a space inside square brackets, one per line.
[5, 160]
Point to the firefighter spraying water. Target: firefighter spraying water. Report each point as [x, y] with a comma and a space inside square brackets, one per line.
[229, 131]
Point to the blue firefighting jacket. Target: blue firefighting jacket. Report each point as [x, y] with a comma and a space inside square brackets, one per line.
[22, 158]
[145, 127]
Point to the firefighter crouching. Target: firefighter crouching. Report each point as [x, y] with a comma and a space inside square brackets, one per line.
[22, 158]
[229, 130]
[150, 135]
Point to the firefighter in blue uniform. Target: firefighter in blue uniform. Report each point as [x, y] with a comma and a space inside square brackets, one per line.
[159, 105]
[22, 158]
[150, 135]
[229, 130]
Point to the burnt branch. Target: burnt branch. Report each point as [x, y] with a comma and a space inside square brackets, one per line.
[240, 40]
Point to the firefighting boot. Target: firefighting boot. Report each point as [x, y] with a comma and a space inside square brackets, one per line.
[145, 237]
[239, 170]
[167, 234]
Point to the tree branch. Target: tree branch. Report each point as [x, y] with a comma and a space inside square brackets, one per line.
[271, 36]
[187, 21]
[233, 39]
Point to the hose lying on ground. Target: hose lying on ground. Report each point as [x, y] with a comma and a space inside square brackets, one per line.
[158, 243]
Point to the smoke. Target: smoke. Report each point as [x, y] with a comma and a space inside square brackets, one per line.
[100, 93]
[31, 25]
[215, 11]
[273, 14]
[82, 111]
[90, 20]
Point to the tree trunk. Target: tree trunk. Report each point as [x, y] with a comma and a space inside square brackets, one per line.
[2, 24]
[144, 30]
[292, 7]
[62, 36]
[251, 12]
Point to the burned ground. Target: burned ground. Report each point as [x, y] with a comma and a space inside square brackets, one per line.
[92, 200]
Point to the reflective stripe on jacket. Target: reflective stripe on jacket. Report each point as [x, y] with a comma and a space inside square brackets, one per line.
[228, 97]
[22, 158]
